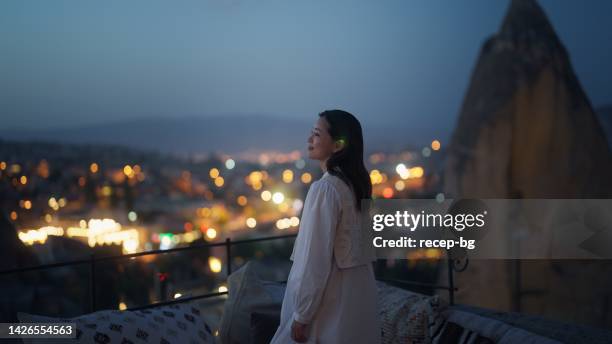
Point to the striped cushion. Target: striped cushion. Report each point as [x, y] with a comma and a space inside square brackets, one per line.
[452, 333]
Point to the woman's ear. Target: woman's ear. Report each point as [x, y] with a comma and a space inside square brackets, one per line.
[339, 145]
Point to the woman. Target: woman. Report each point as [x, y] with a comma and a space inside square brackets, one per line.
[331, 292]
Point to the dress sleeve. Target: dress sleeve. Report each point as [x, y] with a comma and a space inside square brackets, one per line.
[318, 229]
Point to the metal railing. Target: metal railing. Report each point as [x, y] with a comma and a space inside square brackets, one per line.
[453, 265]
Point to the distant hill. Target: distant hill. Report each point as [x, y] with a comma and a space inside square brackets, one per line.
[187, 135]
[217, 134]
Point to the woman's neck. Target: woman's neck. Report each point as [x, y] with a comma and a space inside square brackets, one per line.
[323, 164]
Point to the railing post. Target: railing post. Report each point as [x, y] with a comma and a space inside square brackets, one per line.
[92, 281]
[451, 282]
[228, 254]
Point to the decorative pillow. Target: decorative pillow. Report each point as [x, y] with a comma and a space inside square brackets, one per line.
[211, 309]
[248, 294]
[408, 317]
[178, 323]
[434, 309]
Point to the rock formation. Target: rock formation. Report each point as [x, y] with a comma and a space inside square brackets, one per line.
[605, 117]
[526, 129]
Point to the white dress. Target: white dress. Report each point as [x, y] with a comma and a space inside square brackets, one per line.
[339, 305]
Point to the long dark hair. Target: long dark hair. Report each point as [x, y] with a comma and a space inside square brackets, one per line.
[347, 163]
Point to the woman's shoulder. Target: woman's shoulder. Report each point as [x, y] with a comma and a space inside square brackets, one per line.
[324, 191]
[325, 183]
[331, 183]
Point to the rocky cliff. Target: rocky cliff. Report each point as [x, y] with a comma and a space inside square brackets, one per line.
[526, 129]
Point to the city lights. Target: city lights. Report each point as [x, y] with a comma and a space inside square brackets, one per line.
[266, 195]
[219, 181]
[32, 236]
[241, 200]
[287, 176]
[53, 204]
[130, 245]
[286, 222]
[278, 197]
[426, 152]
[297, 204]
[403, 172]
[107, 191]
[416, 172]
[15, 169]
[165, 241]
[213, 173]
[193, 202]
[387, 192]
[294, 221]
[132, 216]
[214, 264]
[197, 210]
[43, 169]
[306, 178]
[376, 177]
[400, 185]
[255, 177]
[406, 173]
[128, 171]
[211, 233]
[283, 207]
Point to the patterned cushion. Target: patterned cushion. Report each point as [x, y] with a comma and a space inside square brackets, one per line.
[408, 317]
[179, 323]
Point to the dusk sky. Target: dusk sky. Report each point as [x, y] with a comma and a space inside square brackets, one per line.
[73, 63]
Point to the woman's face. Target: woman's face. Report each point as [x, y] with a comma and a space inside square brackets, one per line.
[320, 143]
